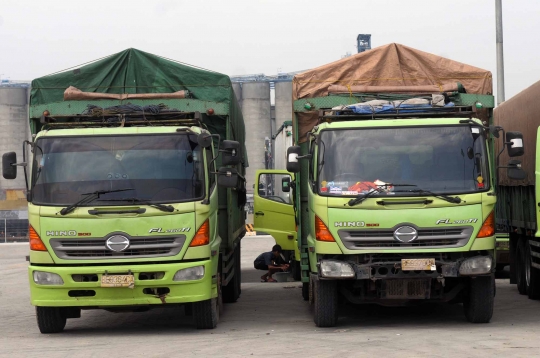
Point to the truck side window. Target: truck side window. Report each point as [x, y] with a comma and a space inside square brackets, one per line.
[312, 161]
[270, 188]
[211, 167]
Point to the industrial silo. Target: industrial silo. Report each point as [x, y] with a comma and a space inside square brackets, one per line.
[237, 88]
[14, 130]
[256, 111]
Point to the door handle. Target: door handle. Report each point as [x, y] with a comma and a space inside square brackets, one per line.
[259, 213]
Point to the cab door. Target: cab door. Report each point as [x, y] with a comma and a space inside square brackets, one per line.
[273, 207]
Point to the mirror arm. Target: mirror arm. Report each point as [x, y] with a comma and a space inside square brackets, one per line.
[25, 144]
[206, 201]
[217, 150]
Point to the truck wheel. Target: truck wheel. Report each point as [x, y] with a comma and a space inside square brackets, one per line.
[50, 319]
[206, 313]
[231, 292]
[534, 284]
[479, 303]
[533, 289]
[522, 270]
[305, 291]
[239, 267]
[325, 303]
[296, 270]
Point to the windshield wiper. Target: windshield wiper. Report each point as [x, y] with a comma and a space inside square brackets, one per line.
[168, 208]
[450, 199]
[89, 197]
[360, 198]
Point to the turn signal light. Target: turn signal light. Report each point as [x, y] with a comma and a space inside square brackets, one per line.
[35, 241]
[202, 237]
[488, 227]
[321, 231]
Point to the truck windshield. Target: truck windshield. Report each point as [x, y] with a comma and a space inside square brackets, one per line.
[449, 159]
[159, 168]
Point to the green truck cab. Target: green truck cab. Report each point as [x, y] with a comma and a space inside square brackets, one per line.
[387, 205]
[127, 209]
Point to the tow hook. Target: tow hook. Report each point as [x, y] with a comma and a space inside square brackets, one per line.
[440, 279]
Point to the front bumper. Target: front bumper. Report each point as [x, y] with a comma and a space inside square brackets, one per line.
[391, 269]
[145, 292]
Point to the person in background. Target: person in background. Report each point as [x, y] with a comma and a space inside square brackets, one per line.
[270, 262]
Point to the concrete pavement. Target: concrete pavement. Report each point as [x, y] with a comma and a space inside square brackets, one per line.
[269, 319]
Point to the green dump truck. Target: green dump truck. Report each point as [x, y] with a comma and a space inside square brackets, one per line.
[393, 193]
[127, 208]
[519, 200]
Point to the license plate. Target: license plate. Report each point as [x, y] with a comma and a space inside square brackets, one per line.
[117, 281]
[418, 264]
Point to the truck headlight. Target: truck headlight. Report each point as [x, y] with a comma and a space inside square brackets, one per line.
[336, 269]
[47, 278]
[478, 265]
[189, 274]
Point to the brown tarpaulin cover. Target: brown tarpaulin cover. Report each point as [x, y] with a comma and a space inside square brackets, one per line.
[75, 94]
[390, 65]
[520, 113]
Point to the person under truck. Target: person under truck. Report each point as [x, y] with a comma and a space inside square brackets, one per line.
[271, 262]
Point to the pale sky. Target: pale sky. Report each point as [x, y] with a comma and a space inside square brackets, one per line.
[263, 36]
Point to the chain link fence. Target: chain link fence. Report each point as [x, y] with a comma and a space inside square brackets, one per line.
[13, 230]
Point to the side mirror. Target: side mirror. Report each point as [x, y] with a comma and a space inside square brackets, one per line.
[204, 140]
[228, 177]
[293, 164]
[286, 184]
[514, 142]
[514, 170]
[231, 152]
[9, 170]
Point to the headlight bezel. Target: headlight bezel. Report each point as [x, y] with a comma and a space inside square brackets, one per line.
[341, 269]
[45, 278]
[194, 273]
[476, 266]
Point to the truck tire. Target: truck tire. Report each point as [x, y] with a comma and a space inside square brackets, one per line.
[478, 305]
[305, 291]
[206, 313]
[239, 267]
[534, 284]
[522, 271]
[231, 292]
[296, 270]
[50, 319]
[533, 289]
[325, 303]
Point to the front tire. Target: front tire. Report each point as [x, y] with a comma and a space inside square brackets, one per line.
[305, 291]
[325, 303]
[522, 270]
[206, 313]
[231, 292]
[478, 306]
[533, 289]
[50, 319]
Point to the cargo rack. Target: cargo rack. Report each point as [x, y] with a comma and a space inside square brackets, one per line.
[416, 112]
[135, 119]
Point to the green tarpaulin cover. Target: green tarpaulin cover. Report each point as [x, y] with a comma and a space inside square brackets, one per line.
[135, 71]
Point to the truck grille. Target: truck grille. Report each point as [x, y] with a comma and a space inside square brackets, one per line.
[384, 238]
[140, 247]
